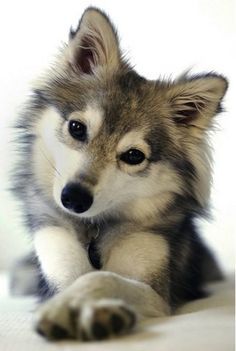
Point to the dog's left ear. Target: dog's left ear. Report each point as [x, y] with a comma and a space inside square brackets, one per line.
[94, 43]
[193, 101]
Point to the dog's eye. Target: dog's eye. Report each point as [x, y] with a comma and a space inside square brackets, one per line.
[78, 130]
[133, 157]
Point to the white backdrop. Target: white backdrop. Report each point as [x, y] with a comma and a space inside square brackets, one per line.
[161, 38]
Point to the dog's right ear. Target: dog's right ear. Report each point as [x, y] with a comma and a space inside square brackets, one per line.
[94, 43]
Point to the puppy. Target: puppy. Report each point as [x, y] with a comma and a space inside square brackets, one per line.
[114, 169]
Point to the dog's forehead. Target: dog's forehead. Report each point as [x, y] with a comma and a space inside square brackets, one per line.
[126, 109]
[122, 102]
[114, 107]
[112, 125]
[124, 112]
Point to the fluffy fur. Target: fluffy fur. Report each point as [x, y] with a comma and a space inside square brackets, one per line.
[135, 252]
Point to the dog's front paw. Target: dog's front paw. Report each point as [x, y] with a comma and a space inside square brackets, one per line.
[103, 319]
[92, 320]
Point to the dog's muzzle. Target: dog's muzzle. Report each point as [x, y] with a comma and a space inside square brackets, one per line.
[76, 198]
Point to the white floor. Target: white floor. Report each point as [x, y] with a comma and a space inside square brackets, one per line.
[203, 325]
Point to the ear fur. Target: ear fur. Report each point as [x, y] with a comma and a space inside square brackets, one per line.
[94, 43]
[194, 100]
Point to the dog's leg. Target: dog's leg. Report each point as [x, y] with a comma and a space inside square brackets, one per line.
[103, 304]
[62, 257]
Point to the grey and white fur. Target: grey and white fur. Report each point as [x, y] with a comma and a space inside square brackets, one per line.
[114, 169]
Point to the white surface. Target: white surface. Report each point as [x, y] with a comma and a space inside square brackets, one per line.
[206, 325]
[162, 38]
[4, 284]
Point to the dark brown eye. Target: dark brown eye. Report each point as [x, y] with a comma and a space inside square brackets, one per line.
[78, 130]
[133, 157]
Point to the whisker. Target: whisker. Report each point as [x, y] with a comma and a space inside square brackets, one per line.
[53, 167]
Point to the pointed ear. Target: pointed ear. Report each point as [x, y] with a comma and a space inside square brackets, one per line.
[94, 43]
[195, 100]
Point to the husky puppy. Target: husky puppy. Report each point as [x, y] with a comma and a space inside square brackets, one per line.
[114, 169]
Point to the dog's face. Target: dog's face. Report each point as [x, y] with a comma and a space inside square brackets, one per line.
[108, 140]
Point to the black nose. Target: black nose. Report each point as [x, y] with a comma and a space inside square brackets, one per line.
[76, 198]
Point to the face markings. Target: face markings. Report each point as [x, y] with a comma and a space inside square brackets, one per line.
[55, 162]
[118, 161]
[74, 160]
[46, 150]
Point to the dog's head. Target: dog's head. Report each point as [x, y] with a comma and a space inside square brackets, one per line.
[109, 140]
